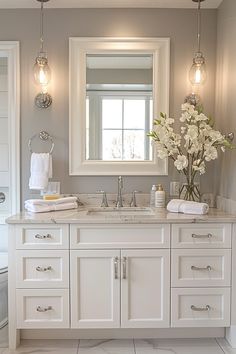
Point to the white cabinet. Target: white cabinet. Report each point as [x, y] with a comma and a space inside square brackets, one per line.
[42, 269]
[40, 308]
[198, 267]
[145, 287]
[202, 307]
[201, 235]
[117, 276]
[42, 236]
[200, 275]
[120, 236]
[95, 289]
[113, 288]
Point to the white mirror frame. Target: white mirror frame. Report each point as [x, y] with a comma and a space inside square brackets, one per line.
[79, 48]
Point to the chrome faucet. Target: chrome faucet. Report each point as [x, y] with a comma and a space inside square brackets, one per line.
[104, 203]
[119, 202]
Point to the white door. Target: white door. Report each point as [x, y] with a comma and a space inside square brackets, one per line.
[95, 289]
[145, 288]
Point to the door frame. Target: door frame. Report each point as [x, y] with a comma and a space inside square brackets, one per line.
[11, 50]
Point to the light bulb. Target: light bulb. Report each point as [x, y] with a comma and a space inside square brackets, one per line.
[42, 72]
[197, 73]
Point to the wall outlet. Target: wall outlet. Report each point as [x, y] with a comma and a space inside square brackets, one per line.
[174, 189]
[209, 199]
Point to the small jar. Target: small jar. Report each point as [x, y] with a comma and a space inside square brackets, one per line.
[160, 197]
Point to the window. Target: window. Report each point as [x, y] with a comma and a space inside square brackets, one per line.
[119, 131]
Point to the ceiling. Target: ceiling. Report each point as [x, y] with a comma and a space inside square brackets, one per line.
[20, 4]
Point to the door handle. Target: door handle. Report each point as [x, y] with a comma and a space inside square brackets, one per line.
[202, 268]
[194, 308]
[124, 267]
[116, 263]
[202, 236]
[43, 309]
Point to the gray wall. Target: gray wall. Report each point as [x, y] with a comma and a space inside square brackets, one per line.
[225, 95]
[60, 24]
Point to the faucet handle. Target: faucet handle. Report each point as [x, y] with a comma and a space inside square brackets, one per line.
[104, 202]
[133, 202]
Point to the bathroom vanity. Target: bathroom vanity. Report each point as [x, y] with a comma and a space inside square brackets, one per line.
[91, 274]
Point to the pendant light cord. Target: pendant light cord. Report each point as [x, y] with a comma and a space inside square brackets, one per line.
[41, 27]
[199, 25]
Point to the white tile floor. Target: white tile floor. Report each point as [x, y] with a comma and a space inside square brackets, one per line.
[120, 346]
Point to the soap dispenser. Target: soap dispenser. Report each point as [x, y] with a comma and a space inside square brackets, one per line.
[152, 196]
[160, 197]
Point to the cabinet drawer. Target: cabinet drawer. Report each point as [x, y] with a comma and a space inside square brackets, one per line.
[193, 268]
[42, 308]
[42, 269]
[40, 237]
[200, 307]
[201, 235]
[117, 236]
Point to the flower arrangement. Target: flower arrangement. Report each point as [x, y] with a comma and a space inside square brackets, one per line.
[195, 145]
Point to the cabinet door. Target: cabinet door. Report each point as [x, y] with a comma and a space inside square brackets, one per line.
[95, 289]
[145, 288]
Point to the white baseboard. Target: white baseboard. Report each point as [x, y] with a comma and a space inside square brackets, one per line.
[122, 333]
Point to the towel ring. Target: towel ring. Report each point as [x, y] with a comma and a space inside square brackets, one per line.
[44, 136]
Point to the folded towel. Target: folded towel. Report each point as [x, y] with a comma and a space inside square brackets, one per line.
[40, 170]
[46, 208]
[43, 202]
[187, 207]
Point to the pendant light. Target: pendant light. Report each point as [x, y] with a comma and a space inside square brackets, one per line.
[42, 72]
[197, 73]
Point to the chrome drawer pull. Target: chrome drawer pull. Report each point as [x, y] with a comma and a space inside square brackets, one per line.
[202, 236]
[42, 237]
[203, 268]
[194, 308]
[116, 262]
[124, 260]
[44, 309]
[43, 269]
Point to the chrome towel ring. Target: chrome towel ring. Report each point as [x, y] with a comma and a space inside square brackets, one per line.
[44, 136]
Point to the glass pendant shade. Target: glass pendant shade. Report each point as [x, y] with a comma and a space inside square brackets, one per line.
[198, 73]
[42, 71]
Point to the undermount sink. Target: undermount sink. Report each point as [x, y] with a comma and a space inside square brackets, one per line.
[124, 211]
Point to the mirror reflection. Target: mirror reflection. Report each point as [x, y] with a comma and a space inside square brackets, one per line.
[119, 107]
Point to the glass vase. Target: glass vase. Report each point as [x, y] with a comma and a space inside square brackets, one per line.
[190, 191]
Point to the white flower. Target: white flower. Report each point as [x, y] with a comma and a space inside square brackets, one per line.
[192, 132]
[210, 153]
[199, 166]
[181, 162]
[162, 152]
[189, 108]
[169, 120]
[201, 117]
[215, 135]
[196, 144]
[185, 116]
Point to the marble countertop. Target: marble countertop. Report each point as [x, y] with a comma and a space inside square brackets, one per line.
[81, 216]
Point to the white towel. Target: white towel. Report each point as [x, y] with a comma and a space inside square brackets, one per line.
[187, 207]
[42, 202]
[53, 207]
[40, 170]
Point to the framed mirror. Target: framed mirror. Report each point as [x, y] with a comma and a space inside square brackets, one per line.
[117, 87]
